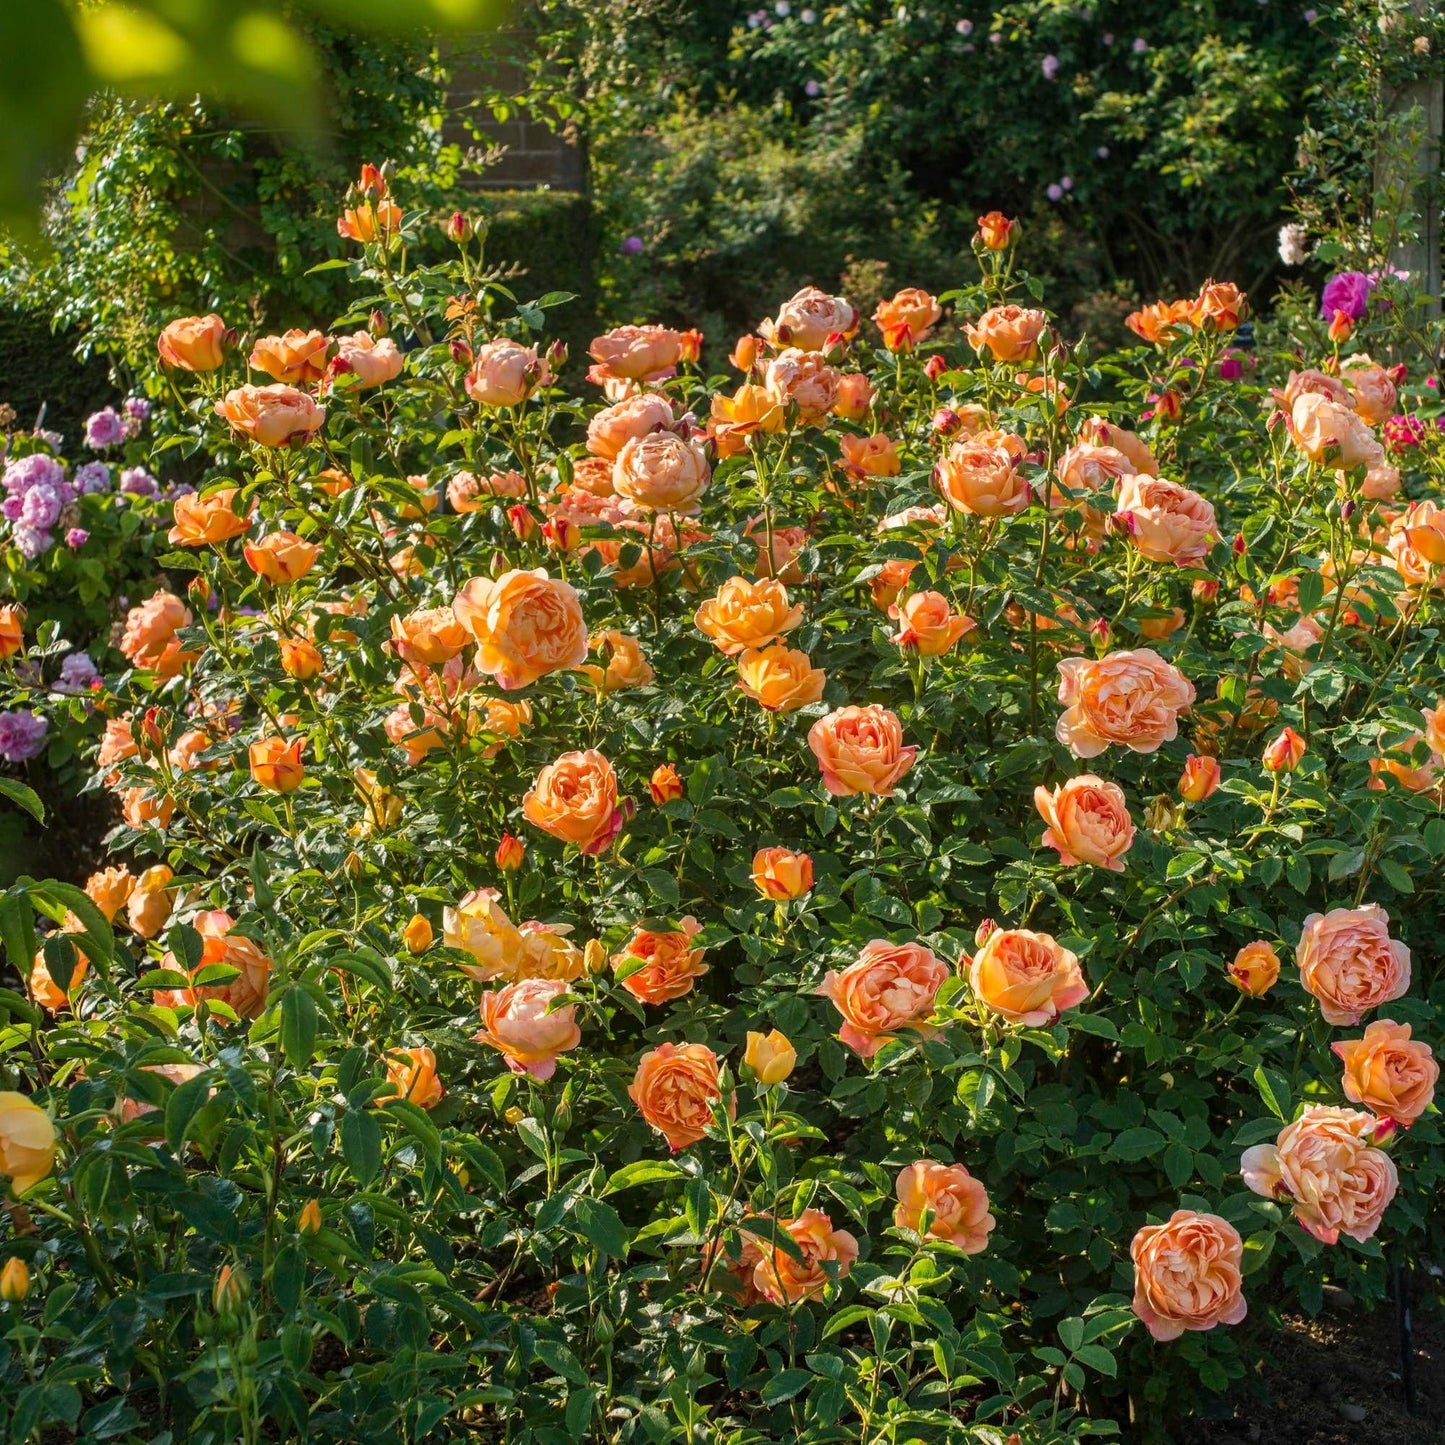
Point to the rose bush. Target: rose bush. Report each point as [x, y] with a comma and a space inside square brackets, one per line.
[656, 930]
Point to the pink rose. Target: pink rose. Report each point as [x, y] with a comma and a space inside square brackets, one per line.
[516, 1021]
[1187, 1274]
[891, 987]
[1349, 962]
[1088, 822]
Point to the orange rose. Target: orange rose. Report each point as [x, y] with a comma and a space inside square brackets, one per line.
[735, 418]
[825, 1255]
[925, 622]
[907, 319]
[575, 799]
[624, 421]
[281, 557]
[1435, 727]
[505, 374]
[203, 520]
[668, 963]
[151, 900]
[246, 993]
[276, 764]
[957, 1202]
[43, 987]
[149, 640]
[1008, 333]
[1324, 1163]
[623, 662]
[412, 1073]
[1199, 779]
[1130, 698]
[1188, 1274]
[526, 624]
[782, 875]
[661, 472]
[747, 615]
[110, 889]
[982, 480]
[1157, 322]
[1106, 434]
[995, 231]
[854, 398]
[297, 357]
[1330, 432]
[809, 320]
[193, 343]
[1388, 1073]
[872, 456]
[780, 679]
[1255, 969]
[675, 1089]
[1373, 392]
[1087, 474]
[1221, 306]
[371, 361]
[300, 658]
[860, 750]
[1088, 822]
[1156, 629]
[1381, 484]
[428, 637]
[1166, 522]
[771, 1057]
[1416, 544]
[636, 353]
[1283, 754]
[802, 379]
[1403, 762]
[1349, 962]
[272, 416]
[374, 219]
[520, 1023]
[890, 988]
[664, 785]
[12, 629]
[469, 493]
[1025, 977]
[479, 926]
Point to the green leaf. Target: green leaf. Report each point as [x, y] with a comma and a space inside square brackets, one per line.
[182, 1107]
[23, 797]
[299, 1018]
[784, 1385]
[601, 1226]
[1134, 1144]
[361, 1145]
[643, 1171]
[1274, 1090]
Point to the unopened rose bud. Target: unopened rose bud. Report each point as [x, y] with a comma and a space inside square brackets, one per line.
[1161, 815]
[1169, 406]
[1399, 373]
[771, 1057]
[1255, 969]
[556, 356]
[461, 352]
[510, 853]
[1199, 779]
[309, 1220]
[1206, 590]
[664, 784]
[996, 232]
[199, 591]
[984, 932]
[1342, 327]
[560, 535]
[231, 1292]
[524, 523]
[1099, 631]
[300, 658]
[380, 324]
[514, 1116]
[745, 354]
[1239, 546]
[946, 421]
[1276, 420]
[417, 935]
[934, 367]
[1123, 523]
[14, 1281]
[1284, 753]
[459, 228]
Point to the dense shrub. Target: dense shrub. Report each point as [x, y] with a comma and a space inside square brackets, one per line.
[465, 720]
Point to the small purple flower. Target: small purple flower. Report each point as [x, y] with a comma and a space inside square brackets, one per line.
[91, 477]
[41, 508]
[22, 735]
[137, 482]
[1231, 368]
[1067, 182]
[1140, 45]
[30, 471]
[77, 673]
[996, 38]
[76, 538]
[1311, 16]
[138, 406]
[1055, 192]
[104, 429]
[1348, 291]
[812, 89]
[31, 541]
[632, 246]
[807, 16]
[1050, 66]
[964, 27]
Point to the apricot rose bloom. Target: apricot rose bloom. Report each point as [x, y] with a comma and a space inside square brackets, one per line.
[295, 357]
[412, 1073]
[202, 520]
[1388, 1072]
[981, 479]
[1188, 1274]
[428, 637]
[281, 557]
[1332, 432]
[149, 640]
[675, 1089]
[151, 900]
[771, 1057]
[733, 419]
[193, 343]
[747, 615]
[110, 889]
[272, 416]
[780, 679]
[635, 416]
[1372, 390]
[1326, 1165]
[1255, 969]
[276, 765]
[12, 628]
[781, 875]
[623, 664]
[957, 1201]
[809, 319]
[1026, 977]
[27, 1142]
[1349, 962]
[907, 318]
[861, 750]
[1221, 305]
[504, 374]
[575, 800]
[889, 989]
[1088, 822]
[527, 624]
[246, 993]
[370, 360]
[1166, 522]
[1131, 698]
[670, 964]
[637, 353]
[927, 624]
[517, 1023]
[803, 379]
[479, 926]
[871, 456]
[826, 1255]
[661, 472]
[1155, 323]
[1008, 333]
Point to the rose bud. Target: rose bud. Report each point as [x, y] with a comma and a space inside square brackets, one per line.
[232, 1288]
[1239, 546]
[984, 932]
[309, 1220]
[524, 523]
[995, 231]
[510, 853]
[664, 784]
[1206, 590]
[744, 355]
[1347, 509]
[276, 764]
[459, 228]
[781, 875]
[934, 367]
[946, 421]
[1255, 969]
[461, 352]
[561, 535]
[594, 956]
[1099, 631]
[771, 1057]
[379, 325]
[417, 935]
[1284, 753]
[1199, 779]
[556, 356]
[199, 591]
[300, 658]
[1342, 327]
[15, 1279]
[1169, 406]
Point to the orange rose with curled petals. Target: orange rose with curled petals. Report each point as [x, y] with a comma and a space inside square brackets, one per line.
[861, 750]
[956, 1200]
[872, 456]
[295, 357]
[527, 624]
[1007, 333]
[907, 318]
[479, 926]
[747, 615]
[1132, 699]
[855, 396]
[203, 520]
[371, 361]
[661, 472]
[1088, 822]
[1026, 977]
[1388, 1072]
[520, 1023]
[1255, 969]
[428, 637]
[1416, 544]
[664, 785]
[926, 622]
[193, 343]
[780, 679]
[150, 640]
[1331, 432]
[412, 1073]
[624, 664]
[1435, 727]
[808, 319]
[1414, 773]
[151, 901]
[377, 219]
[1166, 522]
[675, 1089]
[1188, 1274]
[504, 374]
[982, 480]
[889, 989]
[826, 1255]
[1372, 389]
[636, 353]
[276, 764]
[272, 416]
[1221, 306]
[1107, 434]
[802, 379]
[624, 421]
[1158, 322]
[1349, 962]
[782, 875]
[575, 800]
[669, 963]
[246, 993]
[110, 890]
[735, 418]
[281, 557]
[300, 658]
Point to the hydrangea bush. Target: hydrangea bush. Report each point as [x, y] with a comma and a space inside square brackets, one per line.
[888, 896]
